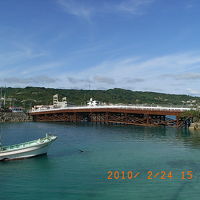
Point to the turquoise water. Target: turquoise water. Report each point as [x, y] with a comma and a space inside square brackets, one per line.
[77, 164]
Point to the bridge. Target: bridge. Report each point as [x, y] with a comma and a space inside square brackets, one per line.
[115, 114]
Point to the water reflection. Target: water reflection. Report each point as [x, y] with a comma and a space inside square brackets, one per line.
[188, 138]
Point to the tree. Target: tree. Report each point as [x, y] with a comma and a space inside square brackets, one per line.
[195, 114]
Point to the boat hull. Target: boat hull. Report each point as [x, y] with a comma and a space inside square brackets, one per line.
[28, 152]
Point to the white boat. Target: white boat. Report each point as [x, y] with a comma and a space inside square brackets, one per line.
[27, 149]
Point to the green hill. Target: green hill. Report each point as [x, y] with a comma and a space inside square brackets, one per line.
[29, 96]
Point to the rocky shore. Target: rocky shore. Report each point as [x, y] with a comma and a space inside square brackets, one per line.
[14, 117]
[194, 126]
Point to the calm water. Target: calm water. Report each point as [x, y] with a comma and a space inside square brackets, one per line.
[69, 173]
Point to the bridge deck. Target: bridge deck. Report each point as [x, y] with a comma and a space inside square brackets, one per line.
[127, 109]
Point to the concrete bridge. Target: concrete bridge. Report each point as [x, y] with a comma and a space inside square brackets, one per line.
[134, 114]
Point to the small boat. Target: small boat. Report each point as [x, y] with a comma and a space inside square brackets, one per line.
[26, 149]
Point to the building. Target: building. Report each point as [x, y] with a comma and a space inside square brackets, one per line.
[16, 109]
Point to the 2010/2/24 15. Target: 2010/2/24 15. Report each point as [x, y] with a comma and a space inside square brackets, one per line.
[163, 175]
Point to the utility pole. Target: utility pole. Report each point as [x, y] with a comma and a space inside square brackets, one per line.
[4, 99]
[1, 99]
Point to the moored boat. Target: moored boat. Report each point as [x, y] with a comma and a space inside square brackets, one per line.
[26, 149]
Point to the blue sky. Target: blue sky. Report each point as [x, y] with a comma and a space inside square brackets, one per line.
[143, 45]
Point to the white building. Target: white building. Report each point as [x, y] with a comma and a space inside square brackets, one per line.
[92, 102]
[59, 104]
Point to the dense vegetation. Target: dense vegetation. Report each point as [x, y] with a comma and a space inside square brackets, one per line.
[29, 96]
[195, 114]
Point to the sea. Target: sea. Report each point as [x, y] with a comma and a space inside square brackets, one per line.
[103, 162]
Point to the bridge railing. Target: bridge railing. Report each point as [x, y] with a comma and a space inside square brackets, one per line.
[130, 107]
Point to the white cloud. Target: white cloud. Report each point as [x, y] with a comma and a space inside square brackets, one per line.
[42, 68]
[85, 10]
[12, 62]
[14, 57]
[76, 8]
[158, 73]
[172, 73]
[194, 92]
[133, 6]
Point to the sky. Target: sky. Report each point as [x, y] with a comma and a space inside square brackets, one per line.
[140, 45]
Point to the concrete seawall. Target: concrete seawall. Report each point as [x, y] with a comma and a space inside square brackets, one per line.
[14, 117]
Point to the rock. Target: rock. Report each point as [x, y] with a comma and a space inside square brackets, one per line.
[14, 117]
[195, 126]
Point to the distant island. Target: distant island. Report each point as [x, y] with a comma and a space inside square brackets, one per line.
[30, 96]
